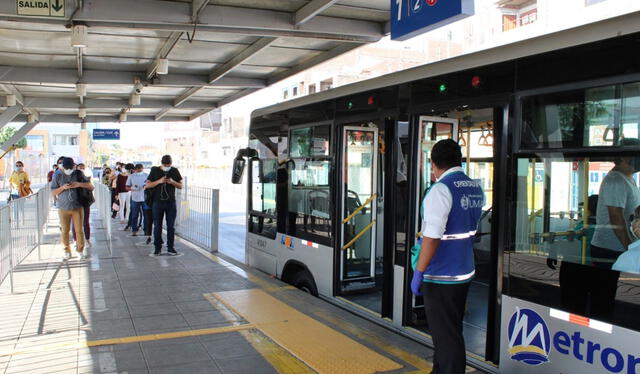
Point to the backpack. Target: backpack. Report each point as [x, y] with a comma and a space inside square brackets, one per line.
[85, 197]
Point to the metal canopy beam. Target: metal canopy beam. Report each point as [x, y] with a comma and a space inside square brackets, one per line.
[19, 134]
[177, 16]
[9, 114]
[47, 104]
[44, 76]
[164, 51]
[186, 95]
[62, 118]
[312, 9]
[197, 6]
[241, 57]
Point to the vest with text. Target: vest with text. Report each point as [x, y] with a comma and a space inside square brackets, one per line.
[454, 260]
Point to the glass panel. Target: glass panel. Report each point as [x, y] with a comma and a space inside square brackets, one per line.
[573, 230]
[432, 132]
[600, 116]
[309, 199]
[359, 176]
[264, 186]
[301, 142]
[310, 141]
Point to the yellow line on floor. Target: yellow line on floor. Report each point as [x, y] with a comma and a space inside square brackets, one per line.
[320, 347]
[128, 339]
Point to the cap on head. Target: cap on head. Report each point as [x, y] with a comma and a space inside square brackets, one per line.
[166, 160]
[67, 163]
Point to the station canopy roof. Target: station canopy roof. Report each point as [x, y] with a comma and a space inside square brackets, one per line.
[217, 51]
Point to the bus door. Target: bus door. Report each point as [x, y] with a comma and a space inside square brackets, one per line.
[431, 130]
[358, 207]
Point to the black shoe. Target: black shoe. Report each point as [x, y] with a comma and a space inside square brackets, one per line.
[126, 228]
[172, 252]
[148, 241]
[135, 233]
[155, 254]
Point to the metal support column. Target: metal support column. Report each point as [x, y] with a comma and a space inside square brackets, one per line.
[215, 215]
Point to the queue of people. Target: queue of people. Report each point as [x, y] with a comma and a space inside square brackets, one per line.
[144, 201]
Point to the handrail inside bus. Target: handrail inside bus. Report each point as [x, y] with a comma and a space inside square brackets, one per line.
[355, 239]
[369, 200]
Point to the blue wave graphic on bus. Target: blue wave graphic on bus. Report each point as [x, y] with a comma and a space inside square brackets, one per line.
[529, 337]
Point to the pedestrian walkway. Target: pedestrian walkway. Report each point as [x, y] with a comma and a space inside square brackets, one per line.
[196, 313]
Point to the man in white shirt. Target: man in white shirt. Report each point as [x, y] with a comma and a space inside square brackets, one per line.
[135, 184]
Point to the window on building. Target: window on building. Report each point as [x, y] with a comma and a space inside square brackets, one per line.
[294, 91]
[35, 142]
[326, 84]
[73, 140]
[285, 94]
[312, 89]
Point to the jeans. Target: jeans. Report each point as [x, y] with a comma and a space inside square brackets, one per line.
[136, 212]
[125, 206]
[66, 216]
[160, 209]
[148, 219]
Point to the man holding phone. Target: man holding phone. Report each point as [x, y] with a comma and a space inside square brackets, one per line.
[135, 184]
[64, 187]
[163, 181]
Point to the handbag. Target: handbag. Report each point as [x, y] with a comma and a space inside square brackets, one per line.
[115, 207]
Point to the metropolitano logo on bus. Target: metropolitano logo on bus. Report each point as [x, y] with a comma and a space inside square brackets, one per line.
[537, 339]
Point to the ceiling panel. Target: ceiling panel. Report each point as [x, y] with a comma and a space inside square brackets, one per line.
[281, 57]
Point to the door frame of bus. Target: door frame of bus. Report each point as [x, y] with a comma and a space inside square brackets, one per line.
[503, 128]
[386, 117]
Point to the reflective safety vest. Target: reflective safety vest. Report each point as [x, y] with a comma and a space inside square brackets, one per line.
[454, 260]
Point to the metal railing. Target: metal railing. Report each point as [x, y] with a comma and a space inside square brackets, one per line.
[198, 215]
[103, 203]
[22, 223]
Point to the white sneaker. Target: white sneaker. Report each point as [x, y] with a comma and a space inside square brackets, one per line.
[88, 244]
[84, 255]
[66, 256]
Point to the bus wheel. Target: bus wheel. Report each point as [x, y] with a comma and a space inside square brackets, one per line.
[304, 281]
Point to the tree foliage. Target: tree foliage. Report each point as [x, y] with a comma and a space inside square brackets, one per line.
[6, 133]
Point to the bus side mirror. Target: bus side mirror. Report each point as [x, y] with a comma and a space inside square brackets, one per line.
[238, 170]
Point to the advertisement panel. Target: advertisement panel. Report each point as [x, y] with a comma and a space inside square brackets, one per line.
[537, 339]
[413, 17]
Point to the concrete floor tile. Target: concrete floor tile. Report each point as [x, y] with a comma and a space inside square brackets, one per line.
[149, 310]
[250, 364]
[107, 359]
[154, 323]
[204, 367]
[148, 299]
[116, 328]
[228, 345]
[194, 306]
[174, 354]
[205, 318]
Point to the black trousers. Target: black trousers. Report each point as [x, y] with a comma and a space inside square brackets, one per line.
[444, 306]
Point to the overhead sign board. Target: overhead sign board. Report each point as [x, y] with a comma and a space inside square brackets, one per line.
[413, 17]
[46, 8]
[106, 134]
[539, 340]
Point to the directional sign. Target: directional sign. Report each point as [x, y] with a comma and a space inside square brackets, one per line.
[106, 134]
[413, 17]
[47, 8]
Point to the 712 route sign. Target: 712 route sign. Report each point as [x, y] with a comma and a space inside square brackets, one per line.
[413, 17]
[47, 8]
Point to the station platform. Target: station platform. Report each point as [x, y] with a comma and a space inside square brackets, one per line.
[126, 312]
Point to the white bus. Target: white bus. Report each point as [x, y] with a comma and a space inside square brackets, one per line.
[335, 181]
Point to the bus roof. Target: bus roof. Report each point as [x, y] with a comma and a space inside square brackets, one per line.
[593, 32]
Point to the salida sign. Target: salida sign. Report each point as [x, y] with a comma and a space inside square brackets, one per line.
[537, 339]
[48, 8]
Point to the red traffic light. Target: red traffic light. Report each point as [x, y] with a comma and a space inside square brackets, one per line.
[476, 81]
[370, 100]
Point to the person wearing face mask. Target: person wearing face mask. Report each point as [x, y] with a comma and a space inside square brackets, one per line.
[19, 181]
[163, 181]
[65, 187]
[82, 173]
[124, 196]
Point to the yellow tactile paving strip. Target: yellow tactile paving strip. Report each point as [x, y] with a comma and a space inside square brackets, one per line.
[322, 348]
[127, 340]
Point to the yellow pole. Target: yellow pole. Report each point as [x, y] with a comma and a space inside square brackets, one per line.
[585, 209]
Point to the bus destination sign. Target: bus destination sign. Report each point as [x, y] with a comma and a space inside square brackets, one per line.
[414, 17]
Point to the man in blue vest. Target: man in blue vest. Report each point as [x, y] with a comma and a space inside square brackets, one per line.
[445, 266]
